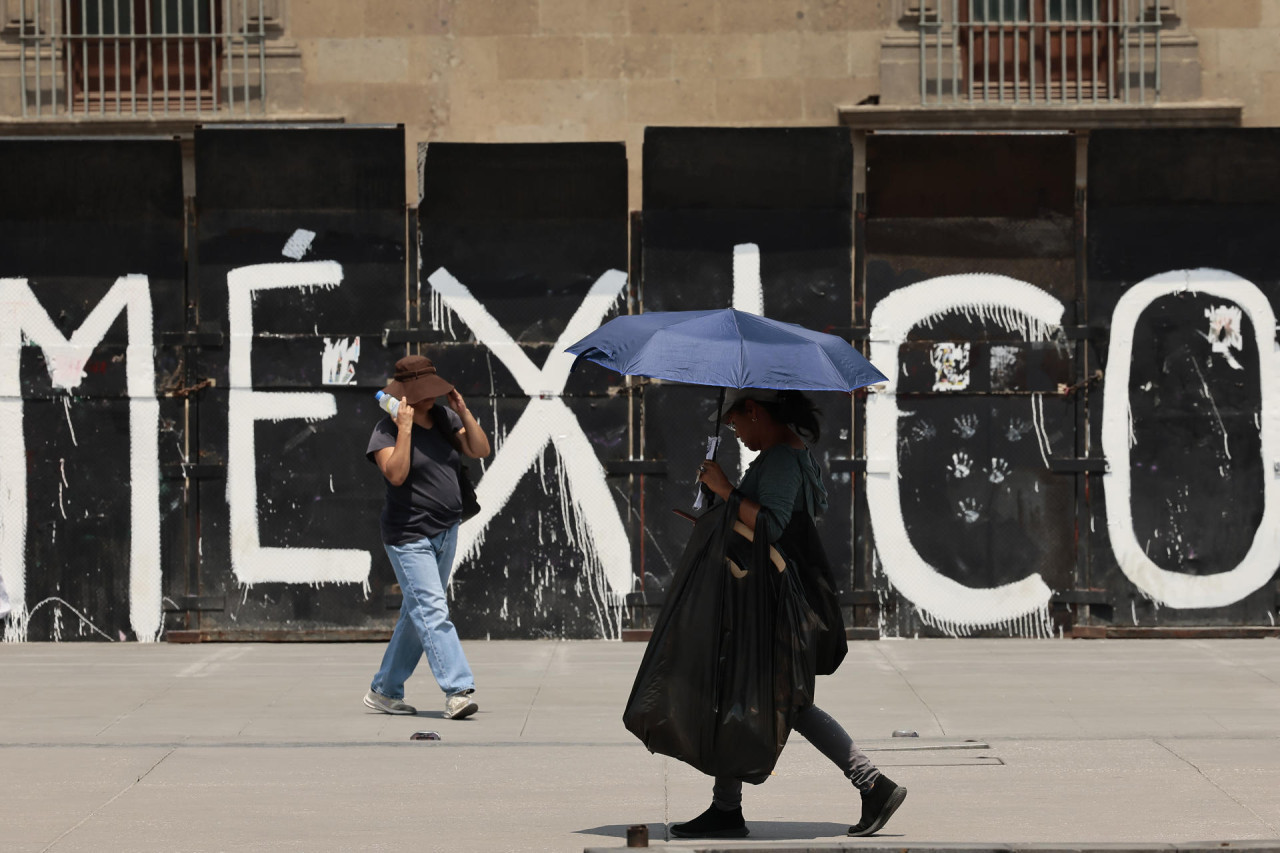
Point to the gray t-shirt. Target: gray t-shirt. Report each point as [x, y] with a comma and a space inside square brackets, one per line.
[428, 502]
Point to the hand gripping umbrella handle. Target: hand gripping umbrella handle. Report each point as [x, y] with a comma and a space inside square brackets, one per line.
[707, 495]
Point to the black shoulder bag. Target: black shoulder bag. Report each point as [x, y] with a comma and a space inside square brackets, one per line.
[470, 505]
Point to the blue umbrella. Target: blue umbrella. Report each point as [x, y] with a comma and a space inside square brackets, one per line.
[727, 348]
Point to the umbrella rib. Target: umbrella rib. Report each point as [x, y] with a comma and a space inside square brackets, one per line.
[834, 366]
[742, 349]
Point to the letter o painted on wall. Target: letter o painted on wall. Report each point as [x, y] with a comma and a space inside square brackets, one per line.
[1256, 568]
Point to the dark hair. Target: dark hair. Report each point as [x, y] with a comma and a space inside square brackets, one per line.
[795, 410]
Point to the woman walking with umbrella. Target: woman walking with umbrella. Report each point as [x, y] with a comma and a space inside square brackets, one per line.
[784, 485]
[779, 498]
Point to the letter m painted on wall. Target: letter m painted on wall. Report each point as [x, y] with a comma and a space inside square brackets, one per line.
[24, 321]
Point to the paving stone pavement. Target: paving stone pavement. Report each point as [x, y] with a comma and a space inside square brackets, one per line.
[1144, 744]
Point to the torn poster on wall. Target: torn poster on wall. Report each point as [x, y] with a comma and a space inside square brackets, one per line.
[951, 366]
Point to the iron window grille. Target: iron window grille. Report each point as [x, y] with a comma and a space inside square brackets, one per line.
[134, 58]
[1046, 52]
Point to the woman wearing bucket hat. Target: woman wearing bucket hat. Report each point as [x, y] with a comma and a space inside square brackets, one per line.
[418, 452]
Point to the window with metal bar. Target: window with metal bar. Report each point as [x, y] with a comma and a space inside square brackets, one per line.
[164, 51]
[130, 57]
[1028, 50]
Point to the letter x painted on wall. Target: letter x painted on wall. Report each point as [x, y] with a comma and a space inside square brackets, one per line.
[600, 533]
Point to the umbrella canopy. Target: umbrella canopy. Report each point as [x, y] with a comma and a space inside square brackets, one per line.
[727, 348]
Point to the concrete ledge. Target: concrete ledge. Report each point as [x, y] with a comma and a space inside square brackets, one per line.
[145, 125]
[279, 635]
[1174, 632]
[1041, 117]
[1272, 846]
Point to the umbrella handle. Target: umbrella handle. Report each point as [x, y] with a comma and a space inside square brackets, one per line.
[707, 495]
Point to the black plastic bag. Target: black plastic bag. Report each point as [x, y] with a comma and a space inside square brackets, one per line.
[801, 543]
[731, 658]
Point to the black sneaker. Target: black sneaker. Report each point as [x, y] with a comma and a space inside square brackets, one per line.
[878, 805]
[715, 822]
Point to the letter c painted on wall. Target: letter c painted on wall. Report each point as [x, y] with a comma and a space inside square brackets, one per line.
[1017, 306]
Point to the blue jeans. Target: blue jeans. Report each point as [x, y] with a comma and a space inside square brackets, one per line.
[422, 567]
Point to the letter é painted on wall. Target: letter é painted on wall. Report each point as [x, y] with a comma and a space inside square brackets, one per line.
[250, 561]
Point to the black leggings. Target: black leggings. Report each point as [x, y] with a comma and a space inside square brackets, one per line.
[830, 738]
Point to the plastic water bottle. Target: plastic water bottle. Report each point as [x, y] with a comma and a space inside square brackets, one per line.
[389, 404]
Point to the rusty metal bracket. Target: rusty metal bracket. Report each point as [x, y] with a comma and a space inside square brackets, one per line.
[393, 335]
[192, 339]
[645, 599]
[193, 471]
[1079, 466]
[849, 333]
[188, 390]
[194, 603]
[1080, 596]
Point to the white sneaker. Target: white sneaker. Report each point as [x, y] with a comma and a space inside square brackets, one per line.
[460, 705]
[387, 705]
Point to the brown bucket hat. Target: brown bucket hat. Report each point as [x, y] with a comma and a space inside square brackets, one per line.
[416, 380]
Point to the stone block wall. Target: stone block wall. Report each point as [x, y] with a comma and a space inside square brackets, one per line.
[583, 70]
[1240, 54]
[590, 70]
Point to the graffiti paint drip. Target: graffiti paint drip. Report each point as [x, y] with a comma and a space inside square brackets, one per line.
[62, 470]
[1037, 624]
[66, 408]
[580, 533]
[1037, 419]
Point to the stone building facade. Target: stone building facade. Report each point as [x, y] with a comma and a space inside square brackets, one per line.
[586, 70]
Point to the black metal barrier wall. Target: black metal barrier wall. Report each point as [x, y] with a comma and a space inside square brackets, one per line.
[92, 289]
[1080, 432]
[760, 220]
[1184, 279]
[523, 252]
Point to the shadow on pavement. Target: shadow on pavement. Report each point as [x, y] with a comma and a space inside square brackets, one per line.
[761, 830]
[619, 830]
[773, 830]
